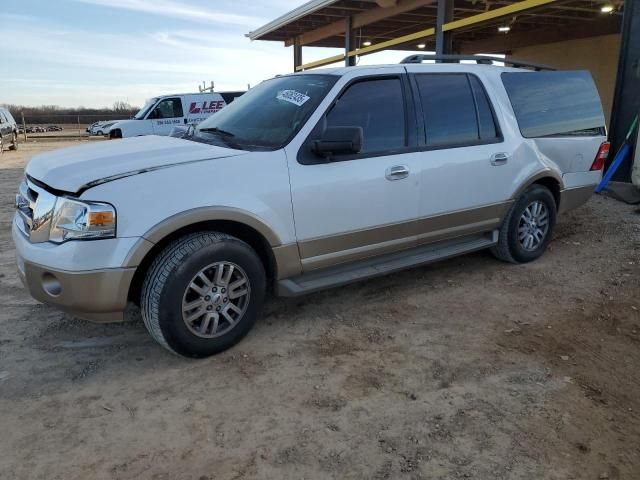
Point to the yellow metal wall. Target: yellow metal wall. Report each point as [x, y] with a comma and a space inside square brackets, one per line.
[597, 54]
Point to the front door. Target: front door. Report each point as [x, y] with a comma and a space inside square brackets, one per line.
[356, 206]
[168, 113]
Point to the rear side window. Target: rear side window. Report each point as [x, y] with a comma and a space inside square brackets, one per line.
[555, 103]
[456, 110]
[378, 107]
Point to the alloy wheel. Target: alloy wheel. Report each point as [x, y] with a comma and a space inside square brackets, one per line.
[533, 225]
[216, 299]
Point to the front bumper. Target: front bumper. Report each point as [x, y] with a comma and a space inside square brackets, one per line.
[98, 294]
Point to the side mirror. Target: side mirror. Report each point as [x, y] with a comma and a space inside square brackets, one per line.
[338, 141]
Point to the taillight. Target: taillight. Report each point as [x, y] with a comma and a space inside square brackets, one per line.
[601, 156]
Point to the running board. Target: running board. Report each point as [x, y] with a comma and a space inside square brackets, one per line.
[383, 265]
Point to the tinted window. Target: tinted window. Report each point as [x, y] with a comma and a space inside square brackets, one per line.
[378, 107]
[554, 103]
[488, 128]
[169, 108]
[448, 108]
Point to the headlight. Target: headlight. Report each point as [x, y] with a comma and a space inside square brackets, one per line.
[74, 219]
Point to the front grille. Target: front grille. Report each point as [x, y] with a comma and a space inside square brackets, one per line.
[34, 209]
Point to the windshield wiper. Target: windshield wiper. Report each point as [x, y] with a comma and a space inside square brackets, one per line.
[218, 130]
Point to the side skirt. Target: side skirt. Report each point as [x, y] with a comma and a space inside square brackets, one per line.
[383, 265]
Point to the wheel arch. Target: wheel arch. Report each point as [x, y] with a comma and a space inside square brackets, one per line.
[548, 179]
[278, 260]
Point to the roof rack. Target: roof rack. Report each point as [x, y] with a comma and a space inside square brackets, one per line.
[479, 59]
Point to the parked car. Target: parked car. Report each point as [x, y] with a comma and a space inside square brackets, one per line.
[8, 131]
[92, 128]
[103, 128]
[161, 114]
[308, 181]
[54, 128]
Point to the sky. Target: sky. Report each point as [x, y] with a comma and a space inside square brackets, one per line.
[93, 53]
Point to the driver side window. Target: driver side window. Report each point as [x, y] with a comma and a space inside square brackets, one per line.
[168, 108]
[378, 107]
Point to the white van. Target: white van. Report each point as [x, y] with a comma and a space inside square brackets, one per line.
[161, 114]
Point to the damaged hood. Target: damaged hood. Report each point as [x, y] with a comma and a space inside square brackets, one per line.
[77, 168]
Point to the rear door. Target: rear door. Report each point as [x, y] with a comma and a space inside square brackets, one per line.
[468, 167]
[167, 114]
[357, 206]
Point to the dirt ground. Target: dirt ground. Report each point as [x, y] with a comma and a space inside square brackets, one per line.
[470, 368]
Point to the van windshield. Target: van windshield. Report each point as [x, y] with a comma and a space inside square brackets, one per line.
[144, 110]
[268, 115]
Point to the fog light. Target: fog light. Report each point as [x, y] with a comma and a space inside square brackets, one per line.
[51, 284]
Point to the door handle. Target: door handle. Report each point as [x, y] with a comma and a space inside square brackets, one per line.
[397, 173]
[499, 159]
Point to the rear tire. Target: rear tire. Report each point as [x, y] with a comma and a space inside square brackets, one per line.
[193, 270]
[528, 226]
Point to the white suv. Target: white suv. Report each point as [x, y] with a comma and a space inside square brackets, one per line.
[306, 182]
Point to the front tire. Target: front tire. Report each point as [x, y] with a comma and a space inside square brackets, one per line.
[14, 143]
[528, 227]
[203, 294]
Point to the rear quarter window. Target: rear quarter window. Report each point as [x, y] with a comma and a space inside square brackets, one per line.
[563, 103]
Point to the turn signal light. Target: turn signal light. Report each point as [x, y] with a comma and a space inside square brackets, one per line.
[100, 218]
[601, 157]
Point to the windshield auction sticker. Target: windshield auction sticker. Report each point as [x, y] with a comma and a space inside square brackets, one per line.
[292, 96]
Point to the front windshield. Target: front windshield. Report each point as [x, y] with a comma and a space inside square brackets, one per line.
[268, 115]
[144, 110]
